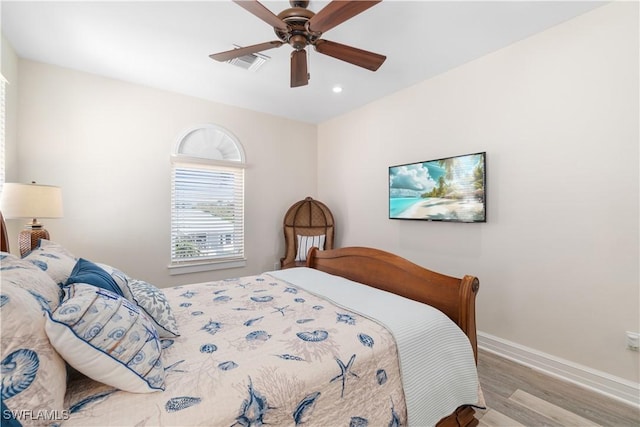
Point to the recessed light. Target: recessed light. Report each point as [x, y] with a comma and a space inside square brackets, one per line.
[337, 89]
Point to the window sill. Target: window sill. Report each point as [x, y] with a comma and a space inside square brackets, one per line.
[177, 269]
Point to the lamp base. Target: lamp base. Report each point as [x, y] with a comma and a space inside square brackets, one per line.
[29, 238]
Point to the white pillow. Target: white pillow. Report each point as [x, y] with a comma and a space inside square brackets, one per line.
[26, 275]
[34, 376]
[53, 259]
[107, 338]
[307, 242]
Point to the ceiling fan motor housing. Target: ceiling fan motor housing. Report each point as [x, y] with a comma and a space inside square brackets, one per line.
[296, 18]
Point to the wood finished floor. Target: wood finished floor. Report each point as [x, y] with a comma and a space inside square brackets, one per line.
[519, 396]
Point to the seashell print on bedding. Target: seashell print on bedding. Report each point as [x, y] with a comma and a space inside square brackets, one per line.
[253, 321]
[179, 403]
[208, 348]
[257, 336]
[188, 294]
[358, 422]
[212, 327]
[313, 336]
[395, 418]
[381, 376]
[253, 409]
[366, 340]
[18, 372]
[228, 365]
[265, 298]
[270, 354]
[305, 407]
[289, 357]
[345, 318]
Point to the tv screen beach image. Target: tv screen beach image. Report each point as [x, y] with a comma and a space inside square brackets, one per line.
[449, 189]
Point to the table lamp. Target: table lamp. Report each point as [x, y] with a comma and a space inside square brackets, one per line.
[31, 201]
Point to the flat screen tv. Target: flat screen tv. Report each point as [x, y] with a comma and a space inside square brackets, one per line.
[449, 189]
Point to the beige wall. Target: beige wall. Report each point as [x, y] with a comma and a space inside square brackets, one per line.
[9, 69]
[557, 114]
[107, 144]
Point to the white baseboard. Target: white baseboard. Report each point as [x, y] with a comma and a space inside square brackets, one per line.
[617, 388]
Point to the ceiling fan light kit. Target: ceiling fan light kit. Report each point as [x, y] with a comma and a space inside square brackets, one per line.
[300, 27]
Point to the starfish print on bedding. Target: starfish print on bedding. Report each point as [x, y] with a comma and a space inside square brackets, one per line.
[280, 310]
[345, 369]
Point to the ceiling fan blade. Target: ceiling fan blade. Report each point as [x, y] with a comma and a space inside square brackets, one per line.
[256, 8]
[247, 50]
[299, 73]
[336, 12]
[361, 58]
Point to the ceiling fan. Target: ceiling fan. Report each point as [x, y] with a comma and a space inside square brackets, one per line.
[300, 27]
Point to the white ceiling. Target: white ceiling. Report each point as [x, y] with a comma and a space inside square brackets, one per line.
[167, 44]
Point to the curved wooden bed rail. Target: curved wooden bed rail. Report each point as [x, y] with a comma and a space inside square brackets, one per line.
[383, 270]
[4, 239]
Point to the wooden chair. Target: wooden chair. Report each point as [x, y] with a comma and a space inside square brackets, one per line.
[307, 223]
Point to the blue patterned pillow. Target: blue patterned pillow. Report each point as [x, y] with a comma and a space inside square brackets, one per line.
[149, 298]
[53, 259]
[107, 338]
[34, 376]
[155, 304]
[87, 272]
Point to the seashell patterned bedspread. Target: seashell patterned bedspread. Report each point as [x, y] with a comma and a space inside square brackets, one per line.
[281, 349]
[258, 350]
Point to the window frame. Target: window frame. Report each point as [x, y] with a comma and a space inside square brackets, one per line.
[200, 165]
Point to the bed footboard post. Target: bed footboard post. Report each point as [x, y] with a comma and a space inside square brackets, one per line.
[311, 256]
[469, 287]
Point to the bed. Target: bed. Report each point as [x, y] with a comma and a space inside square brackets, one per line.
[301, 346]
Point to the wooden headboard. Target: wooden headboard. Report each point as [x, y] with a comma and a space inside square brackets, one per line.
[4, 240]
[383, 270]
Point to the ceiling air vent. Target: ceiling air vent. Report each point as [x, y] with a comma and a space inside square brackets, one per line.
[250, 62]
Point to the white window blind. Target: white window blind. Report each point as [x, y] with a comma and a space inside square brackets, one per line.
[207, 213]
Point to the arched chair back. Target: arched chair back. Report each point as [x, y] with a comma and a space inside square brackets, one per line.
[306, 224]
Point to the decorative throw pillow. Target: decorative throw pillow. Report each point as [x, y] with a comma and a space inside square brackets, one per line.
[107, 338]
[118, 276]
[156, 305]
[34, 376]
[149, 298]
[307, 242]
[87, 272]
[27, 276]
[53, 259]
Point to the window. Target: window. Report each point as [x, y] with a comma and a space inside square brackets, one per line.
[207, 201]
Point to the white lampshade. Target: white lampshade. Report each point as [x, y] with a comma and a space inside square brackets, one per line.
[31, 201]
